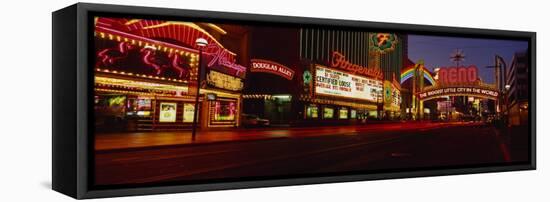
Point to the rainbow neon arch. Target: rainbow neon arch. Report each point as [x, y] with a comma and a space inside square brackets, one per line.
[409, 72]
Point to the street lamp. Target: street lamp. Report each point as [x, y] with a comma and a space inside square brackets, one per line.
[201, 43]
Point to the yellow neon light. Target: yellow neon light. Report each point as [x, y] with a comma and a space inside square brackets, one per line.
[132, 21]
[217, 28]
[138, 84]
[188, 24]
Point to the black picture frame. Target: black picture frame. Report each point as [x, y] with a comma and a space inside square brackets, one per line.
[72, 139]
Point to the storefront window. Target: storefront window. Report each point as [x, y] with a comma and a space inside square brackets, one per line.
[138, 106]
[225, 110]
[343, 113]
[372, 114]
[110, 105]
[167, 112]
[353, 114]
[328, 113]
[143, 104]
[188, 112]
[312, 111]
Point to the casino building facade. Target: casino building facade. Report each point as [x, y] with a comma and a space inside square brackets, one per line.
[145, 76]
[332, 76]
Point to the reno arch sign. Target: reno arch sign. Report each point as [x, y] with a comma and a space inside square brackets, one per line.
[453, 91]
[455, 75]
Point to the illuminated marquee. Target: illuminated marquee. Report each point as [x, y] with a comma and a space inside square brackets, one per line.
[338, 83]
[224, 81]
[339, 61]
[457, 91]
[267, 66]
[453, 75]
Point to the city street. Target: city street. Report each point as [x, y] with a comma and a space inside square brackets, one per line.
[287, 101]
[303, 150]
[126, 140]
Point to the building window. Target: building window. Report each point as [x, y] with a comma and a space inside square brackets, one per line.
[110, 105]
[343, 113]
[312, 111]
[188, 112]
[167, 112]
[353, 114]
[143, 104]
[328, 112]
[224, 110]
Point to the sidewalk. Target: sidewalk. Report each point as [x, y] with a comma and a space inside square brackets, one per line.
[131, 140]
[110, 141]
[516, 141]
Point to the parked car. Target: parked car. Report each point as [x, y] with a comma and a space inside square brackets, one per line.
[252, 120]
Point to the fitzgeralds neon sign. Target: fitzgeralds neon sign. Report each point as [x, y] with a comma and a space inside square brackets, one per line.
[339, 61]
[267, 66]
[383, 42]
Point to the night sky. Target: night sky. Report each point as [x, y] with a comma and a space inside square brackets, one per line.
[436, 50]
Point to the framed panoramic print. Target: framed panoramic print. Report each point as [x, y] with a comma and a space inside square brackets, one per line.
[154, 100]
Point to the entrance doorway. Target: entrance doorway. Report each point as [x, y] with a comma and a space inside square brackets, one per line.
[278, 109]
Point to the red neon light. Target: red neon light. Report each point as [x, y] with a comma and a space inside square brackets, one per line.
[149, 58]
[452, 75]
[339, 60]
[176, 63]
[267, 66]
[109, 56]
[185, 34]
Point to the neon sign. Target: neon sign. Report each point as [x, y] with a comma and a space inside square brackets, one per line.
[176, 64]
[143, 32]
[409, 73]
[224, 81]
[109, 56]
[383, 42]
[339, 61]
[115, 57]
[149, 58]
[473, 91]
[267, 66]
[452, 75]
[221, 56]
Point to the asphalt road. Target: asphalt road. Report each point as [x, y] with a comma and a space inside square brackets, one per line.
[443, 145]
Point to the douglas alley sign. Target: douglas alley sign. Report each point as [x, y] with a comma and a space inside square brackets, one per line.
[271, 67]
